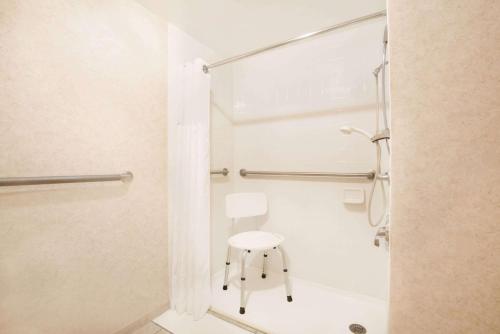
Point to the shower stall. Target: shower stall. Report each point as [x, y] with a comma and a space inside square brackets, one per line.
[278, 195]
[230, 167]
[279, 116]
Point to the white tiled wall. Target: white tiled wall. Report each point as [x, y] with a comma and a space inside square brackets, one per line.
[287, 107]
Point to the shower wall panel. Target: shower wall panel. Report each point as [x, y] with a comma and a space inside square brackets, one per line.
[82, 91]
[288, 107]
[445, 255]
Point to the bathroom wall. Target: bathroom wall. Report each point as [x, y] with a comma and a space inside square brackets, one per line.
[445, 267]
[82, 91]
[288, 107]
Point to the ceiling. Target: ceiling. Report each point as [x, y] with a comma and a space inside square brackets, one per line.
[230, 27]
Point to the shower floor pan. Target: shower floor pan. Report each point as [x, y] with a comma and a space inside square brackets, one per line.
[315, 309]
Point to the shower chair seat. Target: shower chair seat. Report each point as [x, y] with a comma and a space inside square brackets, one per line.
[244, 205]
[255, 240]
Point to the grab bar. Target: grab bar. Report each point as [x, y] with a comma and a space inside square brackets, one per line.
[27, 181]
[223, 171]
[369, 175]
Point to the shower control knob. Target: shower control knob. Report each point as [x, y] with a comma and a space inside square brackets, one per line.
[382, 232]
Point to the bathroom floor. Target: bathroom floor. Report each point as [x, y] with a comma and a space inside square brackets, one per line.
[320, 309]
[185, 324]
[151, 328]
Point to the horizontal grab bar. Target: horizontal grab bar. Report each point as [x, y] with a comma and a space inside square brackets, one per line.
[27, 181]
[223, 171]
[369, 175]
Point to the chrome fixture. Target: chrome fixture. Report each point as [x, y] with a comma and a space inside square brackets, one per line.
[379, 68]
[379, 135]
[382, 233]
[383, 135]
[223, 172]
[357, 329]
[26, 181]
[384, 176]
[369, 175]
[207, 67]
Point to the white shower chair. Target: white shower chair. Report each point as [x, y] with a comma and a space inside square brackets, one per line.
[243, 205]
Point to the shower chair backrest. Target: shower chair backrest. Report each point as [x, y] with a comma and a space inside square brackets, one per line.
[242, 205]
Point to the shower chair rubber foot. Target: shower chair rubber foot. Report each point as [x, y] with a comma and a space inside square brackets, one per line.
[224, 287]
[263, 276]
[242, 310]
[289, 298]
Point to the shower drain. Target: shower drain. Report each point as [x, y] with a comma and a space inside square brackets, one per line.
[357, 329]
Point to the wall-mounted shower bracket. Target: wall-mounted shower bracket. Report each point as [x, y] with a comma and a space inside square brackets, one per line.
[384, 176]
[383, 135]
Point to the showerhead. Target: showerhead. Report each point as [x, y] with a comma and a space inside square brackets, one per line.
[347, 130]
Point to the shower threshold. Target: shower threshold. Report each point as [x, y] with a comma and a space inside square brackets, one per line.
[210, 324]
[316, 309]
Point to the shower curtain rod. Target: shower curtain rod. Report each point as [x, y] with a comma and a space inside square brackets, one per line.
[207, 67]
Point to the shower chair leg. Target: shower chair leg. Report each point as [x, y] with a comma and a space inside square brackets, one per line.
[264, 265]
[285, 274]
[243, 281]
[226, 273]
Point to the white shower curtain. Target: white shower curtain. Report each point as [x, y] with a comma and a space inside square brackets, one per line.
[189, 219]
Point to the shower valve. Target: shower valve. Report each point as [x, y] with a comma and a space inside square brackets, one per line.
[382, 233]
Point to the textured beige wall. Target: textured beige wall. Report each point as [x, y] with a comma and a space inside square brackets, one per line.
[82, 91]
[445, 76]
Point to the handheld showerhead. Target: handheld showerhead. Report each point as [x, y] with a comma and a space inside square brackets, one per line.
[347, 130]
